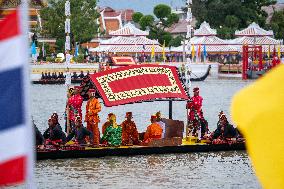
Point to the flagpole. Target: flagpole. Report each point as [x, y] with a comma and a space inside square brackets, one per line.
[68, 57]
[30, 135]
[189, 27]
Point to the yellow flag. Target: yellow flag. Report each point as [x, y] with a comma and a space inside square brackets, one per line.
[192, 52]
[279, 51]
[258, 111]
[153, 52]
[164, 53]
[268, 52]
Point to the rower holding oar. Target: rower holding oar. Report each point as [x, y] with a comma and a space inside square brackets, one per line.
[80, 133]
[154, 130]
[53, 135]
[112, 134]
[129, 131]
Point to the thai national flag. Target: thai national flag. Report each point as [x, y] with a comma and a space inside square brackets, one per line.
[16, 141]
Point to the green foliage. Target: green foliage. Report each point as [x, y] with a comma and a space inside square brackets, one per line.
[50, 59]
[232, 21]
[162, 11]
[277, 24]
[47, 50]
[60, 45]
[79, 58]
[176, 42]
[83, 21]
[229, 15]
[171, 19]
[146, 21]
[136, 17]
[226, 32]
[157, 29]
[165, 38]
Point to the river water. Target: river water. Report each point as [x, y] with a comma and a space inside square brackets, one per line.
[193, 170]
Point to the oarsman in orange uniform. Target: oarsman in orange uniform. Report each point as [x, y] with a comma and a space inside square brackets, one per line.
[154, 131]
[129, 131]
[92, 116]
[106, 124]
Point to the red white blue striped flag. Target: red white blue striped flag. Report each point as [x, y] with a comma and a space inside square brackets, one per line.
[16, 141]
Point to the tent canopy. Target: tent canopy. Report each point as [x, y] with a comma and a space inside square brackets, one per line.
[137, 83]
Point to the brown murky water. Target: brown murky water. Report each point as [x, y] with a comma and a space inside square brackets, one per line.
[193, 170]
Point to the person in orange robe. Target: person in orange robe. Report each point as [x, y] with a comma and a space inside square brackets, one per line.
[93, 107]
[106, 124]
[154, 131]
[129, 131]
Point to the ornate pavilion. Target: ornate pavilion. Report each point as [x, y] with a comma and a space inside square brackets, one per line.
[128, 39]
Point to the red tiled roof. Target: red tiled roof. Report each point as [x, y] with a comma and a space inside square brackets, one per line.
[127, 14]
[180, 27]
[111, 14]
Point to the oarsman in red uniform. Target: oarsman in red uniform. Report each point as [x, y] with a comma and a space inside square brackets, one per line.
[275, 61]
[195, 104]
[195, 109]
[75, 106]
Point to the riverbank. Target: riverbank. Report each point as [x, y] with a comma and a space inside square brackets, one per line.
[198, 69]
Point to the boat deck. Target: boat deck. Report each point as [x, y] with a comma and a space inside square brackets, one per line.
[136, 150]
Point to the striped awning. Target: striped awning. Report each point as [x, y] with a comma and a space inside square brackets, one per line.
[205, 30]
[254, 30]
[208, 40]
[127, 49]
[129, 41]
[129, 30]
[209, 48]
[265, 40]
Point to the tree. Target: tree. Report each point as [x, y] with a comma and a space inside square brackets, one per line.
[158, 28]
[176, 42]
[83, 21]
[146, 21]
[229, 15]
[172, 18]
[277, 24]
[136, 17]
[162, 11]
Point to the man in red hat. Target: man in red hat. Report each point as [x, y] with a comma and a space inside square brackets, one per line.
[195, 109]
[93, 108]
[195, 104]
[75, 104]
[129, 131]
[154, 131]
[106, 124]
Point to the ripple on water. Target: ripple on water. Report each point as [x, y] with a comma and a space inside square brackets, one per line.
[193, 170]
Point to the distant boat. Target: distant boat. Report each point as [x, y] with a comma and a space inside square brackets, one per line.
[202, 78]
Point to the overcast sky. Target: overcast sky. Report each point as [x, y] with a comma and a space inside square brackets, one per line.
[144, 6]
